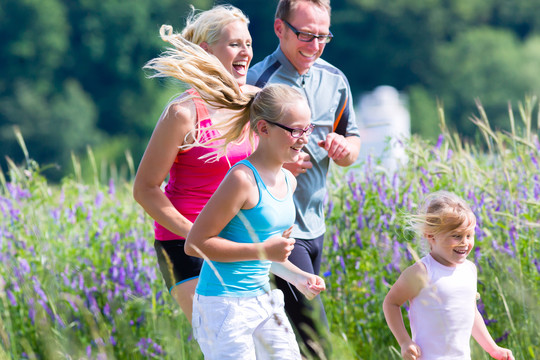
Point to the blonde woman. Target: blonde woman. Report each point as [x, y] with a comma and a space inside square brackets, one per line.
[243, 231]
[222, 32]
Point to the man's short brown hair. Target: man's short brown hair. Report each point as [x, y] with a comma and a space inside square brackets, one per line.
[286, 7]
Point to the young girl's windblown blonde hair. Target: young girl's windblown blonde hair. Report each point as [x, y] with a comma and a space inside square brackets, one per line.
[191, 64]
[440, 213]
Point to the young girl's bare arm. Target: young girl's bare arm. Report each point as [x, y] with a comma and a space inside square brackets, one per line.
[481, 334]
[407, 287]
[230, 197]
[308, 284]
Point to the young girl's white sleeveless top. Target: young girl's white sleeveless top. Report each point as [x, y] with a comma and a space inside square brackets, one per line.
[442, 315]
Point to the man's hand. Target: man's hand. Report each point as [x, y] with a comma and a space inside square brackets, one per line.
[337, 146]
[301, 166]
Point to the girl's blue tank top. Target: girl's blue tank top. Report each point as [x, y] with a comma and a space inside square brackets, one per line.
[270, 217]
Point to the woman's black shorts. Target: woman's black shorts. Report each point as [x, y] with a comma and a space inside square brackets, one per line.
[176, 267]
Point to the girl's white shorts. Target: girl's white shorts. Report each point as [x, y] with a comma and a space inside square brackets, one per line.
[244, 328]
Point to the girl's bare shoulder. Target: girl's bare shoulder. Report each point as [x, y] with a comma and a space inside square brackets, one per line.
[242, 175]
[416, 275]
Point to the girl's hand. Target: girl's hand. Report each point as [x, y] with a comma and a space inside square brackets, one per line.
[410, 351]
[316, 285]
[502, 354]
[278, 248]
[310, 285]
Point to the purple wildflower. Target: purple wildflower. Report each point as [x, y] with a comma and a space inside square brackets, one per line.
[534, 161]
[25, 267]
[440, 140]
[537, 264]
[70, 216]
[55, 214]
[396, 255]
[507, 250]
[38, 290]
[503, 337]
[18, 193]
[513, 235]
[423, 186]
[358, 240]
[15, 213]
[482, 310]
[89, 215]
[384, 219]
[372, 284]
[11, 298]
[149, 348]
[112, 189]
[373, 239]
[536, 190]
[31, 310]
[107, 310]
[477, 257]
[46, 308]
[360, 220]
[330, 207]
[335, 240]
[342, 262]
[99, 199]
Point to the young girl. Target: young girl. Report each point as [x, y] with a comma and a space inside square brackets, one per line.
[242, 232]
[441, 288]
[223, 32]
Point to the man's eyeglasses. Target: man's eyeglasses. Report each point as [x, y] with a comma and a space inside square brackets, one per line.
[308, 37]
[297, 132]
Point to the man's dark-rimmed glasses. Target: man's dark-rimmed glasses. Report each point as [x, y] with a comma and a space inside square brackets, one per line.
[308, 37]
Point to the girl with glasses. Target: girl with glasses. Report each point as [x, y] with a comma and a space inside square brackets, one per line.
[243, 231]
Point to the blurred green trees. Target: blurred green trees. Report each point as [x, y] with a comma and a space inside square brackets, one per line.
[71, 75]
[72, 70]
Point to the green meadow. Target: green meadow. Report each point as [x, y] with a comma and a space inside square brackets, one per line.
[79, 279]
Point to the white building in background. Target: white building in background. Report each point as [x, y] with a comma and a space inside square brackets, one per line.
[384, 122]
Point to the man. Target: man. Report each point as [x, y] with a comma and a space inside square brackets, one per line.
[303, 29]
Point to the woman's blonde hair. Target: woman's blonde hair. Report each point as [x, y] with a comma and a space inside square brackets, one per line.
[442, 212]
[191, 64]
[206, 26]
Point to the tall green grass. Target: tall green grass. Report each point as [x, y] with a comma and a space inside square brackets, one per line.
[368, 240]
[79, 278]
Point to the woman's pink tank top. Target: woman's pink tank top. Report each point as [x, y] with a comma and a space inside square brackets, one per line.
[193, 181]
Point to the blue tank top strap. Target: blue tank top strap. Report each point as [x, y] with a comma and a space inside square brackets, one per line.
[255, 172]
[287, 180]
[259, 180]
